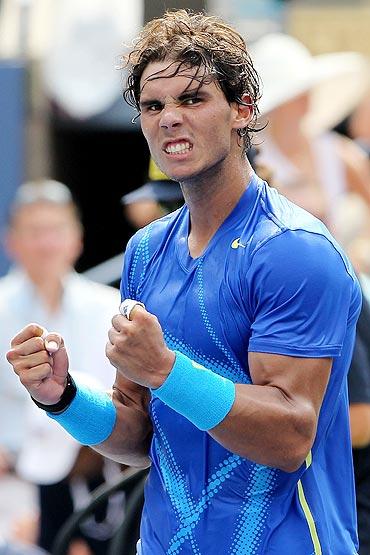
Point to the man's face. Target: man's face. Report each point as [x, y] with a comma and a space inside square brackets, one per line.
[190, 129]
[44, 239]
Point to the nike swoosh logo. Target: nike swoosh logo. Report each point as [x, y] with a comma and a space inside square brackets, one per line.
[236, 244]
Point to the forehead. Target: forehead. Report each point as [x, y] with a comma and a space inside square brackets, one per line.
[41, 212]
[173, 75]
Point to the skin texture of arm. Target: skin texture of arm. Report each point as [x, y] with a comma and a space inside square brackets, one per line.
[41, 364]
[272, 422]
[130, 440]
[278, 413]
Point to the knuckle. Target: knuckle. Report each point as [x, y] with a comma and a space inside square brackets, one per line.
[34, 329]
[45, 357]
[39, 343]
[10, 356]
[42, 371]
[126, 333]
[24, 378]
[17, 369]
[46, 370]
[154, 319]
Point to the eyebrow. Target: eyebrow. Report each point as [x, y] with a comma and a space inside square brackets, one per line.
[187, 93]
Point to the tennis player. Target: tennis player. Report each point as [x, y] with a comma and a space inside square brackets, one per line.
[235, 333]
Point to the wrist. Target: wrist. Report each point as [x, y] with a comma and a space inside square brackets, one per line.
[166, 365]
[65, 400]
[90, 417]
[201, 395]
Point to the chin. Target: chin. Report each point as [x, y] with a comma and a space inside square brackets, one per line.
[182, 174]
[177, 170]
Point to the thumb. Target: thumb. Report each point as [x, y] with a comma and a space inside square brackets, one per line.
[54, 344]
[52, 341]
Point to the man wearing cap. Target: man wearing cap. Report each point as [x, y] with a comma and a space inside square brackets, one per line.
[159, 196]
[44, 240]
[235, 334]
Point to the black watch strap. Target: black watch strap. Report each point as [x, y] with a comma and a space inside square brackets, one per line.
[66, 399]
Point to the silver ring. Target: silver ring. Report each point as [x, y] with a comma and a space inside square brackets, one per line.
[127, 306]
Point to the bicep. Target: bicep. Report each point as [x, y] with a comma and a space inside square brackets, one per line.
[300, 381]
[273, 421]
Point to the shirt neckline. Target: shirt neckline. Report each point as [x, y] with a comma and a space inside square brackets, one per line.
[244, 206]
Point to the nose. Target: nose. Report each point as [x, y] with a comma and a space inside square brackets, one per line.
[170, 116]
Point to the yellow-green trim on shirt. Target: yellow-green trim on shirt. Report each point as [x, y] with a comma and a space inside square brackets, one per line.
[307, 511]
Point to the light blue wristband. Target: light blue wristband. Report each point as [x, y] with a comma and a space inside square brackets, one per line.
[91, 416]
[199, 394]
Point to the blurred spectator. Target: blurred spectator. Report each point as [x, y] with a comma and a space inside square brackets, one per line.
[358, 125]
[359, 397]
[77, 125]
[44, 239]
[303, 98]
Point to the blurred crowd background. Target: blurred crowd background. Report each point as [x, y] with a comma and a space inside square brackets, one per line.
[67, 137]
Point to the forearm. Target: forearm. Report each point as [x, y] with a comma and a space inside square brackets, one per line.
[130, 439]
[115, 424]
[272, 422]
[266, 427]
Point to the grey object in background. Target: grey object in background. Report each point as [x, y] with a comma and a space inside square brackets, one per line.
[12, 74]
[159, 191]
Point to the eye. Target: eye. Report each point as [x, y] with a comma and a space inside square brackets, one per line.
[191, 101]
[155, 107]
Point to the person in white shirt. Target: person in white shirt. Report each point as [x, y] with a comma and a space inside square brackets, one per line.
[44, 239]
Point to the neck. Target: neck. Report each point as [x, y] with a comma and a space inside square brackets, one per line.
[211, 198]
[50, 290]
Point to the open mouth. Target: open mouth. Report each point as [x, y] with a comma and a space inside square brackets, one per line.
[181, 147]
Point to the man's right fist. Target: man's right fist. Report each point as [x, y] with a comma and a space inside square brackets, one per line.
[40, 360]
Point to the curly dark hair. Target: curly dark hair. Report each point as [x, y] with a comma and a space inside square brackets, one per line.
[201, 41]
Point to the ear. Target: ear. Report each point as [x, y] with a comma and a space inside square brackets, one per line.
[244, 112]
[78, 248]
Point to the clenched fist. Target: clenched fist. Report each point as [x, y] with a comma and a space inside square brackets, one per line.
[137, 349]
[41, 362]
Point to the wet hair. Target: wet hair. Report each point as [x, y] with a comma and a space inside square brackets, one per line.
[200, 41]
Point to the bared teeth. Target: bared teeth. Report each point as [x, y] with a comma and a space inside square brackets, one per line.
[178, 148]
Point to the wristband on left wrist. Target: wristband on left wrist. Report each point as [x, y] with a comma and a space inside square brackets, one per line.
[66, 399]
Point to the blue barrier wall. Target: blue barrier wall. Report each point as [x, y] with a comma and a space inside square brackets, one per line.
[12, 87]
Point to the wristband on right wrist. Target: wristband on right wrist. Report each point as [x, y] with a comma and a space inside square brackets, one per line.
[199, 394]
